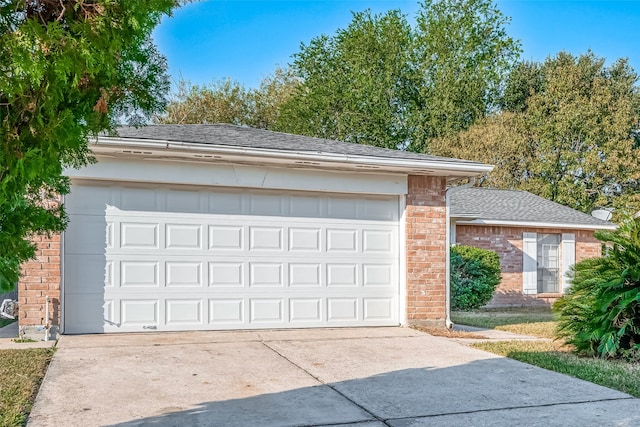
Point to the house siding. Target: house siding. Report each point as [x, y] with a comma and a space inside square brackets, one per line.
[426, 246]
[507, 242]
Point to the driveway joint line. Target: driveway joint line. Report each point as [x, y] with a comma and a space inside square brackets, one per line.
[508, 408]
[375, 417]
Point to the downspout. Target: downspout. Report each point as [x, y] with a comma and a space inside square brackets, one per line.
[447, 321]
[46, 324]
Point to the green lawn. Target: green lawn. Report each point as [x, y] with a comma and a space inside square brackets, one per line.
[536, 321]
[552, 355]
[21, 372]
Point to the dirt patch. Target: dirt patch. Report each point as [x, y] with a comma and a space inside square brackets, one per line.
[448, 333]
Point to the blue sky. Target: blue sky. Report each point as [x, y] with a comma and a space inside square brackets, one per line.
[245, 40]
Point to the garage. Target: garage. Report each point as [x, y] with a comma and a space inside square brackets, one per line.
[223, 227]
[169, 258]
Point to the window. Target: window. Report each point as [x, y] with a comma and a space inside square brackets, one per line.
[546, 259]
[548, 263]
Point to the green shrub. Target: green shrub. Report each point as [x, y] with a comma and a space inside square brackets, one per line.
[600, 313]
[475, 274]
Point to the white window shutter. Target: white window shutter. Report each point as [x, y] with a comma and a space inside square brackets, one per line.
[529, 263]
[568, 257]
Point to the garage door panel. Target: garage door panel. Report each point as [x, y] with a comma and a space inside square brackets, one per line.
[266, 310]
[140, 312]
[226, 203]
[305, 275]
[378, 275]
[305, 310]
[266, 274]
[342, 310]
[378, 309]
[135, 274]
[140, 199]
[265, 239]
[226, 311]
[266, 205]
[226, 274]
[88, 234]
[239, 269]
[184, 312]
[183, 237]
[304, 239]
[341, 240]
[137, 235]
[88, 273]
[184, 274]
[226, 237]
[377, 241]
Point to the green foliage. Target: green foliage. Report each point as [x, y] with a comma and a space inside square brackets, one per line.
[600, 314]
[228, 101]
[381, 82]
[69, 69]
[357, 85]
[475, 274]
[464, 55]
[566, 134]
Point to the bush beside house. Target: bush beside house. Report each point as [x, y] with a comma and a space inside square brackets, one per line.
[600, 314]
[475, 274]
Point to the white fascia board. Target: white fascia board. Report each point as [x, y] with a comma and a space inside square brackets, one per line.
[227, 174]
[533, 224]
[107, 145]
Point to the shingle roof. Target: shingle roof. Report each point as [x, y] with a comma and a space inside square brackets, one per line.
[519, 206]
[240, 136]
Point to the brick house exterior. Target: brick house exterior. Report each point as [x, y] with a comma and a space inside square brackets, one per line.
[426, 247]
[41, 279]
[480, 213]
[422, 224]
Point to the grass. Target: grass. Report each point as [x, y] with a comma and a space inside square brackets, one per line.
[552, 355]
[21, 372]
[557, 357]
[535, 321]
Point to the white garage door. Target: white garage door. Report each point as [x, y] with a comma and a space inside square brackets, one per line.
[159, 258]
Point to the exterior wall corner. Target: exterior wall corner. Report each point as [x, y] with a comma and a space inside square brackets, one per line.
[426, 250]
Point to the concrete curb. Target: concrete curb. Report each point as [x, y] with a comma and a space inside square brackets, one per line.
[10, 332]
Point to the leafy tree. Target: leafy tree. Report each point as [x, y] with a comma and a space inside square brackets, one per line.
[227, 101]
[475, 274]
[381, 82]
[600, 313]
[265, 103]
[357, 85]
[567, 134]
[69, 69]
[223, 101]
[463, 57]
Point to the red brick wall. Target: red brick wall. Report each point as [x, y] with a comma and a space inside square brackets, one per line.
[41, 278]
[507, 242]
[425, 219]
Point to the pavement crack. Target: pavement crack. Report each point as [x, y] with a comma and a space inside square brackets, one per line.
[353, 402]
[508, 408]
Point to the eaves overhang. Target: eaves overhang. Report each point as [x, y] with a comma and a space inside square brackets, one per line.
[198, 152]
[538, 224]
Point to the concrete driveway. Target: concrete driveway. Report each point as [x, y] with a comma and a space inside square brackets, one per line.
[368, 377]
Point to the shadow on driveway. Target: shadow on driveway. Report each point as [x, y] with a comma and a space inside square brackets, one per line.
[391, 377]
